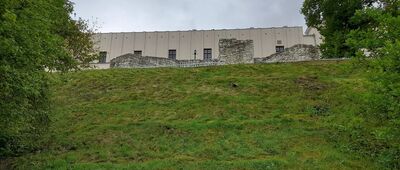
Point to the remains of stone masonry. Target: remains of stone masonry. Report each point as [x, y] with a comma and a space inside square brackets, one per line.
[292, 54]
[138, 61]
[232, 51]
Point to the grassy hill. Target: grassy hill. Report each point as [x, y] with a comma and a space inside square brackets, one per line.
[273, 116]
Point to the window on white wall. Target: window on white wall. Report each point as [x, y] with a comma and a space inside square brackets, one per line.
[138, 53]
[207, 54]
[103, 57]
[172, 54]
[280, 49]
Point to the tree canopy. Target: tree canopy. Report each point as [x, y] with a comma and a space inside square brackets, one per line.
[369, 31]
[35, 36]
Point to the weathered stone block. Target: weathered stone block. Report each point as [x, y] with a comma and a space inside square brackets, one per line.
[233, 51]
[296, 53]
[137, 61]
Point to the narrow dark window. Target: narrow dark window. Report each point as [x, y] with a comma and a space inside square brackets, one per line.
[138, 53]
[172, 54]
[280, 49]
[207, 54]
[103, 57]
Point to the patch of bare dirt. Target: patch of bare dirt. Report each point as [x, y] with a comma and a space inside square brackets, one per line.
[310, 83]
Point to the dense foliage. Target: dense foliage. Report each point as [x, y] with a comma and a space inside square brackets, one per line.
[332, 19]
[36, 36]
[370, 32]
[378, 48]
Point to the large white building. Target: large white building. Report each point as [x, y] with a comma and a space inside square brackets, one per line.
[200, 44]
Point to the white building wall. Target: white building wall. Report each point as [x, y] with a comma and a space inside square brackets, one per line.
[128, 43]
[173, 42]
[140, 41]
[209, 42]
[197, 42]
[317, 35]
[255, 35]
[105, 43]
[162, 44]
[185, 46]
[185, 42]
[309, 40]
[116, 45]
[268, 42]
[151, 44]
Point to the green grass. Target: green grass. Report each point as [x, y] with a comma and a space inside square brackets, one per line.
[281, 116]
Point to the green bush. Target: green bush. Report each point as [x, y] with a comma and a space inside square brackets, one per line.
[35, 37]
[378, 46]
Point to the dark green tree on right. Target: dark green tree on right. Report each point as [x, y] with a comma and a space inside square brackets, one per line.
[369, 31]
[332, 18]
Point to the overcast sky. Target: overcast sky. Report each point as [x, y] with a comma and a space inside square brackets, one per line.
[170, 15]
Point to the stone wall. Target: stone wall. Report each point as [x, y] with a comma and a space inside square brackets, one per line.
[137, 61]
[233, 51]
[293, 54]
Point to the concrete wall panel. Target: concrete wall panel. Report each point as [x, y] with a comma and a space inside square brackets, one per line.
[162, 45]
[173, 42]
[116, 45]
[151, 44]
[185, 46]
[140, 40]
[268, 42]
[128, 43]
[255, 35]
[197, 42]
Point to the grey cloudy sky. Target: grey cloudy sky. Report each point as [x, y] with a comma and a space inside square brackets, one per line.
[169, 15]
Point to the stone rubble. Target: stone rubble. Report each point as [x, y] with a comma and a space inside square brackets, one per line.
[293, 54]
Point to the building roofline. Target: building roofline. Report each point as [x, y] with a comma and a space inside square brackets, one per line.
[202, 30]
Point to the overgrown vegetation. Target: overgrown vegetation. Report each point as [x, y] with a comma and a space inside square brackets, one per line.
[275, 116]
[35, 36]
[369, 32]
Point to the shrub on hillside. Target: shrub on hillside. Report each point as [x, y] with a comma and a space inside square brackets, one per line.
[35, 36]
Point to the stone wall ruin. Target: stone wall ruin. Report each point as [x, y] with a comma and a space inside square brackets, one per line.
[232, 51]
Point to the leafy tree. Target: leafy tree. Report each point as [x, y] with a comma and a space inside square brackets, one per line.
[35, 36]
[332, 18]
[368, 30]
[378, 48]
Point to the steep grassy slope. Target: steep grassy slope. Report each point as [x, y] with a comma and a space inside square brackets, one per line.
[232, 117]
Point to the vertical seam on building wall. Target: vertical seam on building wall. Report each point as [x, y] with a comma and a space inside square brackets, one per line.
[275, 42]
[156, 44]
[111, 45]
[216, 43]
[299, 42]
[262, 44]
[287, 42]
[249, 37]
[123, 43]
[179, 44]
[145, 42]
[168, 45]
[204, 44]
[134, 42]
[191, 38]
